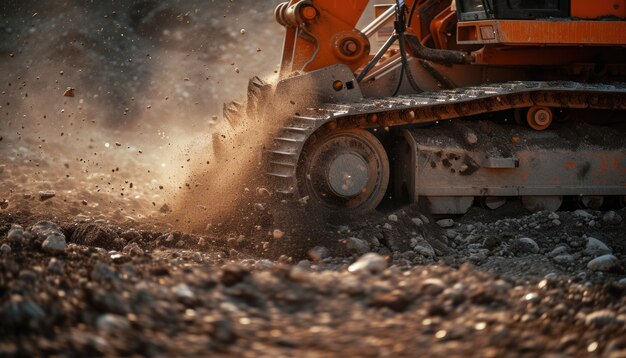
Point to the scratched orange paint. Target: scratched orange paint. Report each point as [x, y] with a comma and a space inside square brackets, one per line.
[615, 165]
[570, 164]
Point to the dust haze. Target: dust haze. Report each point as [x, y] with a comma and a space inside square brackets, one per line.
[112, 107]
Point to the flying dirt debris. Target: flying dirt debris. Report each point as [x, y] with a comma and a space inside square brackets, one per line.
[415, 178]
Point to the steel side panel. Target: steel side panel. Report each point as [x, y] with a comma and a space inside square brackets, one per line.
[540, 172]
[550, 32]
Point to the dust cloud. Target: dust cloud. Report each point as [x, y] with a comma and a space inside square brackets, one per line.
[109, 106]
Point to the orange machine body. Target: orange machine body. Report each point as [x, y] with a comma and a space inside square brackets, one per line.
[322, 33]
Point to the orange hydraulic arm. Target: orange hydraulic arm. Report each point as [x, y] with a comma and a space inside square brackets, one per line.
[321, 33]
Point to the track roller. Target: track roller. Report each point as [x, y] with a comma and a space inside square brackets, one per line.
[492, 202]
[542, 203]
[593, 202]
[539, 117]
[345, 169]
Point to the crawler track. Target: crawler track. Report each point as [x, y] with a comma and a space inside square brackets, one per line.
[428, 107]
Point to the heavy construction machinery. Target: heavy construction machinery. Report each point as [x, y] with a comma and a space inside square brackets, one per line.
[449, 102]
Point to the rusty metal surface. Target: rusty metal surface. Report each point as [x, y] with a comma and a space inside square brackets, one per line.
[429, 107]
[570, 161]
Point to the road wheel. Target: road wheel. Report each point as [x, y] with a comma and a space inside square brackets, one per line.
[345, 170]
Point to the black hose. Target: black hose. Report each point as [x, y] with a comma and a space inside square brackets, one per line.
[437, 55]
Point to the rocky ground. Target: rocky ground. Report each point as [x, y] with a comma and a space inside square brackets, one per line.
[93, 261]
[398, 284]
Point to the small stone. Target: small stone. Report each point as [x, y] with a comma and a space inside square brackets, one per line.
[165, 209]
[605, 263]
[471, 138]
[357, 246]
[424, 249]
[17, 311]
[370, 262]
[553, 216]
[445, 223]
[417, 221]
[526, 245]
[424, 219]
[233, 274]
[111, 322]
[583, 214]
[560, 250]
[103, 272]
[564, 259]
[433, 286]
[393, 218]
[611, 218]
[5, 249]
[600, 318]
[387, 226]
[278, 234]
[69, 92]
[556, 222]
[15, 234]
[55, 266]
[479, 256]
[318, 253]
[132, 250]
[46, 194]
[183, 291]
[4, 204]
[263, 264]
[596, 248]
[242, 31]
[54, 244]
